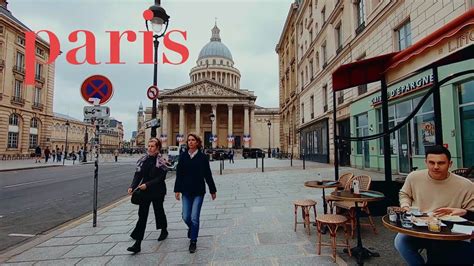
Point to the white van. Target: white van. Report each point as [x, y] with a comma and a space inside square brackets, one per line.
[173, 151]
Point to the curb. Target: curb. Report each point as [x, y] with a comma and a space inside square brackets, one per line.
[27, 168]
[43, 237]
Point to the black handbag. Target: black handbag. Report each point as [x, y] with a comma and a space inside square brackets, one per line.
[138, 197]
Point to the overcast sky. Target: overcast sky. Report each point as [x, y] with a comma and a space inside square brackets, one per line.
[249, 28]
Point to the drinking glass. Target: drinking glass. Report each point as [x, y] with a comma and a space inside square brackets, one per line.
[434, 225]
[406, 221]
[392, 215]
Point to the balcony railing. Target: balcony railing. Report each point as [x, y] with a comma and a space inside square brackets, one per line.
[325, 108]
[340, 100]
[17, 100]
[38, 106]
[312, 115]
[339, 49]
[360, 28]
[19, 69]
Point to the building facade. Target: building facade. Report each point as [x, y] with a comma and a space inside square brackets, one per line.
[288, 84]
[214, 88]
[26, 112]
[332, 33]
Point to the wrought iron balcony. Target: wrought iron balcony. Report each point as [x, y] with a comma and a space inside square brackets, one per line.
[38, 106]
[19, 69]
[17, 100]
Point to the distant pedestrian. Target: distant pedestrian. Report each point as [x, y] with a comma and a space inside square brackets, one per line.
[116, 154]
[38, 154]
[150, 178]
[59, 154]
[81, 153]
[231, 155]
[47, 152]
[54, 155]
[192, 173]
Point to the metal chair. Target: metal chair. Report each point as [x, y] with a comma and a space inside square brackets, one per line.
[345, 182]
[461, 172]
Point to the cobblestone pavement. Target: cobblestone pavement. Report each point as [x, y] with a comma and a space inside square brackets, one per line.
[250, 223]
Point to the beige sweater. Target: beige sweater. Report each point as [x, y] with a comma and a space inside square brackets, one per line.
[428, 194]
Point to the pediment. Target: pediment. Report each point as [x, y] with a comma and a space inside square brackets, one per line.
[205, 88]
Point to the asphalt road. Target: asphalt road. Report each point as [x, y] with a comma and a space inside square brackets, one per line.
[36, 200]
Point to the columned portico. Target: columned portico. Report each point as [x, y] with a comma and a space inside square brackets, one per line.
[252, 125]
[198, 119]
[181, 121]
[164, 125]
[214, 124]
[246, 125]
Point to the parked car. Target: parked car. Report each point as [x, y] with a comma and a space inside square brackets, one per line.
[219, 154]
[252, 153]
[173, 152]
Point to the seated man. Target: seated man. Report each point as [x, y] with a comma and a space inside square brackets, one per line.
[439, 191]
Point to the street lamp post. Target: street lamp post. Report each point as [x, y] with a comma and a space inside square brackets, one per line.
[160, 19]
[84, 150]
[212, 117]
[65, 148]
[269, 124]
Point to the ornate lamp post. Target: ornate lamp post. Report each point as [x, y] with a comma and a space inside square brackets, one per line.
[65, 147]
[269, 125]
[159, 25]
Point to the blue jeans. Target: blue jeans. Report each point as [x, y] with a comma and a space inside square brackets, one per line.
[438, 251]
[191, 212]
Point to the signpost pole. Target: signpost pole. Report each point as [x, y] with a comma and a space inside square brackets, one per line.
[96, 176]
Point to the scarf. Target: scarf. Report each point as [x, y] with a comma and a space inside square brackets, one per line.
[160, 162]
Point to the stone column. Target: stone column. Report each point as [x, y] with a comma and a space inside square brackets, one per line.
[252, 125]
[198, 119]
[246, 124]
[230, 124]
[160, 116]
[164, 124]
[214, 124]
[181, 120]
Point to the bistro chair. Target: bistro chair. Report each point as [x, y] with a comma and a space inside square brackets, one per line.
[349, 206]
[332, 222]
[306, 205]
[461, 172]
[345, 182]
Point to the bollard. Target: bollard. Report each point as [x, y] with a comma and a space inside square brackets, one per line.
[291, 159]
[223, 163]
[263, 157]
[256, 159]
[220, 167]
[304, 162]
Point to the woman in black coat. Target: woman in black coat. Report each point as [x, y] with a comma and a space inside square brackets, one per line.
[193, 170]
[150, 177]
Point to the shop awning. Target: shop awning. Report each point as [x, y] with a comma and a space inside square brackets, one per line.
[373, 69]
[434, 38]
[360, 72]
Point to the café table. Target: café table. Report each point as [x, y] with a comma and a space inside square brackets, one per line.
[423, 232]
[322, 184]
[365, 196]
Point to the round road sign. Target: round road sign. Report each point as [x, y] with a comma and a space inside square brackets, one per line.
[97, 86]
[152, 92]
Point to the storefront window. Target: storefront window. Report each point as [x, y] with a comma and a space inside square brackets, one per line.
[466, 111]
[391, 124]
[362, 128]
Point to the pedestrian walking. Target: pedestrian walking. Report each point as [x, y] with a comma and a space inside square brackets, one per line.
[54, 155]
[191, 174]
[47, 152]
[38, 154]
[150, 177]
[59, 154]
[116, 154]
[231, 155]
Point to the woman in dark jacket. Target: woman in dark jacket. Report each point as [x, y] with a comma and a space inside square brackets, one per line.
[193, 170]
[150, 177]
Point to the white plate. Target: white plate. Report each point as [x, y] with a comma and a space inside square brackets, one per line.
[454, 219]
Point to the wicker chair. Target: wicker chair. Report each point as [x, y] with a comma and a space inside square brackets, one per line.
[461, 172]
[349, 206]
[345, 182]
[306, 205]
[332, 222]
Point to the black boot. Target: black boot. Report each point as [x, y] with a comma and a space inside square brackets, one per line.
[163, 234]
[136, 247]
[192, 247]
[189, 233]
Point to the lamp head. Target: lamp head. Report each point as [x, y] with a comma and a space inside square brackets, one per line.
[269, 124]
[159, 22]
[212, 116]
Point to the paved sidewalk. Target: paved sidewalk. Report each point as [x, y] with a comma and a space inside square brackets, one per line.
[250, 223]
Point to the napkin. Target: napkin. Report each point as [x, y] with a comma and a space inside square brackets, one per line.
[462, 229]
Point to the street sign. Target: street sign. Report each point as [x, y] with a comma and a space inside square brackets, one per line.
[153, 123]
[103, 122]
[96, 86]
[152, 92]
[96, 112]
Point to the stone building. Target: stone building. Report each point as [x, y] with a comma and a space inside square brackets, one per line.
[215, 88]
[331, 33]
[26, 112]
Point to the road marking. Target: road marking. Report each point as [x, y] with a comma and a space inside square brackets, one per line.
[27, 183]
[22, 235]
[1, 216]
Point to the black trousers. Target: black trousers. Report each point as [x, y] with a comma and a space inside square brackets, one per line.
[160, 217]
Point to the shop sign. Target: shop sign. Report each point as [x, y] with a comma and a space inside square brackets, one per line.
[406, 88]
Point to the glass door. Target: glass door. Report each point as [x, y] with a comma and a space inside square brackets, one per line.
[404, 149]
[467, 125]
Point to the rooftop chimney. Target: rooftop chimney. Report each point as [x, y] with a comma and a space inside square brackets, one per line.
[4, 4]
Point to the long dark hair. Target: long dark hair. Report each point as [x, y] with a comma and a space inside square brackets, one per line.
[197, 138]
